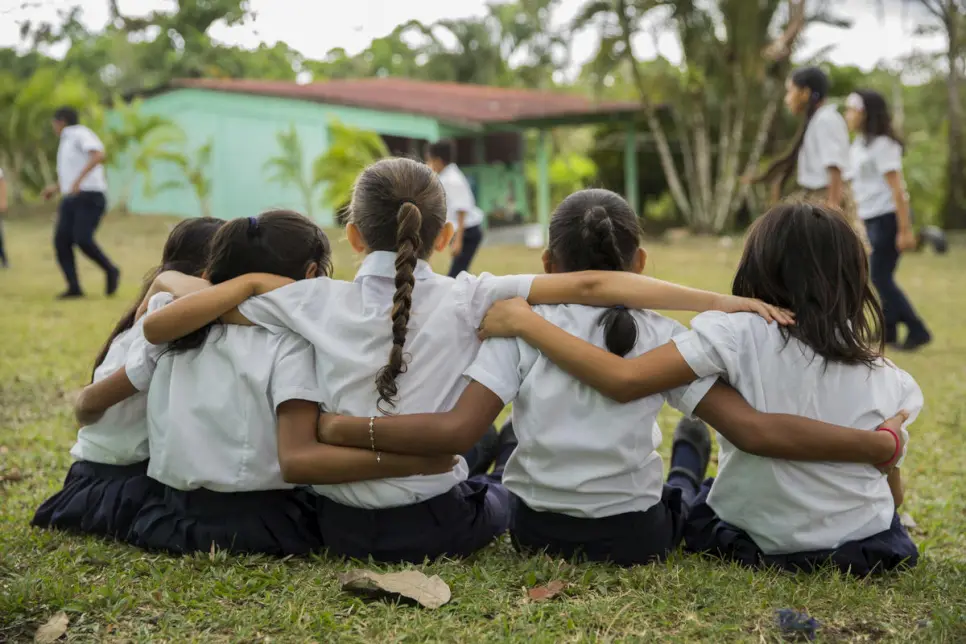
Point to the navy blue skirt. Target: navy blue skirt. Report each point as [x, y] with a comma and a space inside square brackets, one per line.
[455, 524]
[706, 533]
[98, 499]
[272, 522]
[625, 539]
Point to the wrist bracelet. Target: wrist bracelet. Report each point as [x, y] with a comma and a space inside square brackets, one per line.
[895, 454]
[372, 438]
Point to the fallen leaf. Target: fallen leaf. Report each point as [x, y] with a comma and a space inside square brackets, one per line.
[11, 475]
[431, 592]
[211, 553]
[52, 631]
[549, 591]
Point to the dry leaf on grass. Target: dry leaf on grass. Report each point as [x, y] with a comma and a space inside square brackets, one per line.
[551, 590]
[52, 631]
[907, 521]
[431, 592]
[11, 476]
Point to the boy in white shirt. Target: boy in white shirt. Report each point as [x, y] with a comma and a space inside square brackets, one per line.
[461, 209]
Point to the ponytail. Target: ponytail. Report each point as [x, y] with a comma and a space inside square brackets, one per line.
[408, 245]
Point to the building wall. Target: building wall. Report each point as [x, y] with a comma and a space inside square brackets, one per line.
[242, 129]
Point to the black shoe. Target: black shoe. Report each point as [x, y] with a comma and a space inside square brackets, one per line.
[483, 453]
[70, 295]
[695, 433]
[915, 341]
[113, 278]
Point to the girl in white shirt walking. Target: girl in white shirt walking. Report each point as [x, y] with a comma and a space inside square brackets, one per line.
[586, 478]
[427, 325]
[827, 366]
[107, 483]
[876, 176]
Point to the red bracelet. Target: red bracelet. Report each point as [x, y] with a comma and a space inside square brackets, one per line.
[895, 454]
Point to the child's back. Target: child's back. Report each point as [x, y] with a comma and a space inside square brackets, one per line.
[788, 506]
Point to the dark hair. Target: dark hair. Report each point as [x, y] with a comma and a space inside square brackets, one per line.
[878, 121]
[597, 230]
[442, 150]
[808, 259]
[398, 205]
[66, 115]
[816, 81]
[280, 242]
[185, 251]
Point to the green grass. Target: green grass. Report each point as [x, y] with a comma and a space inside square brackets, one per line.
[116, 593]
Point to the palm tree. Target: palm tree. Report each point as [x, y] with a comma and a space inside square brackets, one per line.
[350, 151]
[287, 168]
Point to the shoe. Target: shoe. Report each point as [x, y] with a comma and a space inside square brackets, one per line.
[70, 295]
[915, 342]
[695, 433]
[113, 279]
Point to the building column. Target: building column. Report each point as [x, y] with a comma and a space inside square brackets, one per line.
[630, 168]
[543, 182]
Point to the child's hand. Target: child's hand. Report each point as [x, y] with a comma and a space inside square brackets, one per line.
[505, 319]
[734, 304]
[895, 424]
[263, 283]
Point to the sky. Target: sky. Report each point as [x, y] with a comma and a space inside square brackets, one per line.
[882, 30]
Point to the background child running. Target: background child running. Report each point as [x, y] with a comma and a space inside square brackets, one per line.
[586, 478]
[827, 366]
[107, 485]
[427, 325]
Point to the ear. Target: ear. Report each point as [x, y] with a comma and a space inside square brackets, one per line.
[444, 237]
[639, 261]
[355, 239]
[312, 271]
[547, 260]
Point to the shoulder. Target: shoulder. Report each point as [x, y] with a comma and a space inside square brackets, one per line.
[885, 145]
[828, 118]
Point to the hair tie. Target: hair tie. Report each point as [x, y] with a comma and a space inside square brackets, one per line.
[620, 307]
[252, 225]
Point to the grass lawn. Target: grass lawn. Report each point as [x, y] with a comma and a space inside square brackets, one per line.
[113, 592]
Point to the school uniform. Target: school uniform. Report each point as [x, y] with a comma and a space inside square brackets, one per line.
[586, 478]
[80, 214]
[870, 162]
[213, 436]
[797, 515]
[460, 198]
[826, 145]
[415, 517]
[107, 483]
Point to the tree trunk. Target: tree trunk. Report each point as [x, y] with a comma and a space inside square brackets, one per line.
[954, 208]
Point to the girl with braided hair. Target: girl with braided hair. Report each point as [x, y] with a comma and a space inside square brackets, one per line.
[586, 478]
[397, 339]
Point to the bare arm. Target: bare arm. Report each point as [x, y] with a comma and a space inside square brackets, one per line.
[3, 195]
[896, 486]
[194, 311]
[98, 397]
[613, 288]
[789, 437]
[178, 284]
[460, 227]
[905, 239]
[304, 460]
[94, 159]
[835, 187]
[452, 432]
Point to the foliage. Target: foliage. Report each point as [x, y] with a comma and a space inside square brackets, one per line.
[350, 151]
[568, 172]
[195, 171]
[288, 167]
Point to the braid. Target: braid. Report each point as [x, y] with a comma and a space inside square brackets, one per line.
[408, 243]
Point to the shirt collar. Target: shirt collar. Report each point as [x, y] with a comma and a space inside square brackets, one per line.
[382, 263]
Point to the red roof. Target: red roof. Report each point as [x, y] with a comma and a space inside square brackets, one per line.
[451, 102]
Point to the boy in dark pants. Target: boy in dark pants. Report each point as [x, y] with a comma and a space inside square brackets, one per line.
[461, 208]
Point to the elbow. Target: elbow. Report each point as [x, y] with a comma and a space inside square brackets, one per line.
[84, 410]
[625, 388]
[291, 470]
[153, 330]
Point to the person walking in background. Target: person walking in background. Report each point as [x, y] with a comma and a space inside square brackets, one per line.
[883, 204]
[461, 208]
[82, 184]
[3, 211]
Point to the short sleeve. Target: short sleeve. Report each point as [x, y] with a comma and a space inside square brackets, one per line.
[294, 376]
[88, 141]
[687, 397]
[887, 155]
[710, 347]
[459, 197]
[497, 367]
[142, 356]
[833, 136]
[279, 310]
[475, 295]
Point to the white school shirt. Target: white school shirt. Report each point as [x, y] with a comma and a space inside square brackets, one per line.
[211, 411]
[120, 437]
[869, 164]
[826, 145]
[579, 452]
[459, 197]
[348, 323]
[788, 506]
[76, 144]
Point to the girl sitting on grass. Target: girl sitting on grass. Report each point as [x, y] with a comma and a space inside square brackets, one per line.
[107, 483]
[827, 366]
[586, 478]
[427, 326]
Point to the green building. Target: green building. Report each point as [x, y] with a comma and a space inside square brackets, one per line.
[241, 118]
